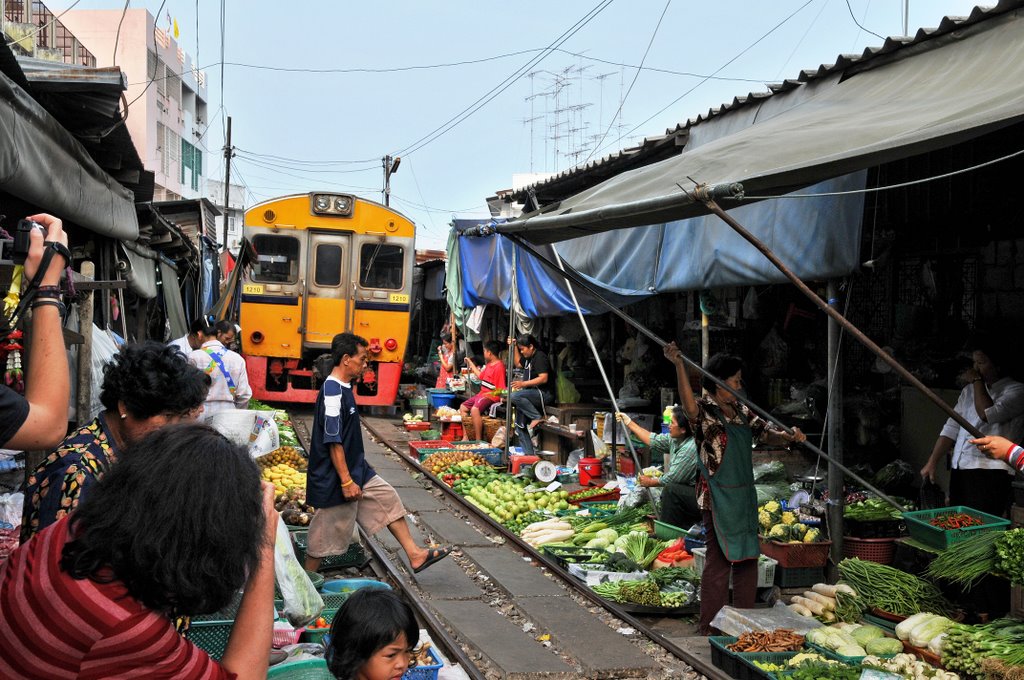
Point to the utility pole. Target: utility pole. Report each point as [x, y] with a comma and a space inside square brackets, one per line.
[390, 167]
[229, 151]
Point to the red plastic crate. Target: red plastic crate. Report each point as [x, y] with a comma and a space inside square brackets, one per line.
[417, 426]
[451, 431]
[415, 446]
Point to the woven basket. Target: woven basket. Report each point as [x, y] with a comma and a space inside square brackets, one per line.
[491, 427]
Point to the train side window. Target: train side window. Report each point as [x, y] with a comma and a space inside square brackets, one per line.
[277, 259]
[327, 271]
[381, 265]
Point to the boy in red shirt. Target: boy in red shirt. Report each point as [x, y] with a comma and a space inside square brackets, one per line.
[492, 377]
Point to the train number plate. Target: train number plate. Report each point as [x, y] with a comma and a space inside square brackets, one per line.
[252, 289]
[400, 298]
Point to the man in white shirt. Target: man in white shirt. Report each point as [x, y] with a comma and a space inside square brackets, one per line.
[192, 340]
[230, 382]
[994, 403]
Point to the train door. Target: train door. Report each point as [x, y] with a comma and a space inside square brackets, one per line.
[328, 289]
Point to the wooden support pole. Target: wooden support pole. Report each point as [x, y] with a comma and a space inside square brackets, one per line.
[83, 393]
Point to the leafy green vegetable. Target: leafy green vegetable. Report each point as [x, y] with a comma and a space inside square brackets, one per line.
[966, 562]
[1010, 555]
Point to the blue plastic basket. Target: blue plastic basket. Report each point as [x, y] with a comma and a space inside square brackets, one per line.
[350, 585]
[441, 398]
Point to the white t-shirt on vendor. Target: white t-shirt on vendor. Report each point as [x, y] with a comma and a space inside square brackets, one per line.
[1005, 418]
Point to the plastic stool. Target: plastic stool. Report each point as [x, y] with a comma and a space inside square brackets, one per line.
[451, 432]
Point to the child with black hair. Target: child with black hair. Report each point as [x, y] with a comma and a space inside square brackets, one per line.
[372, 637]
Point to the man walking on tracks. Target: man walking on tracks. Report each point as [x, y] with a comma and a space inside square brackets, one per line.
[340, 484]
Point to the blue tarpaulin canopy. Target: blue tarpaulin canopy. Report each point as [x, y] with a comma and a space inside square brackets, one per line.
[490, 266]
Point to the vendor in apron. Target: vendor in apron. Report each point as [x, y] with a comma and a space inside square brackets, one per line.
[724, 430]
[678, 495]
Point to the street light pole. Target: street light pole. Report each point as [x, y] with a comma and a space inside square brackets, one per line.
[390, 167]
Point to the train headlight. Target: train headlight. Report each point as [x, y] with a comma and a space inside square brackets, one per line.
[341, 205]
[323, 203]
[391, 344]
[337, 205]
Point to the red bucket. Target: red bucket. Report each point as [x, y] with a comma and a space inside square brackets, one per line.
[590, 468]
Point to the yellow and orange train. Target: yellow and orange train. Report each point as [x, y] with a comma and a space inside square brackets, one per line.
[325, 263]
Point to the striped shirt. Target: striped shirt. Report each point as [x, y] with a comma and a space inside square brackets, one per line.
[53, 626]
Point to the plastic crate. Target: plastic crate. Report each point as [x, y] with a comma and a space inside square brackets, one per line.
[666, 531]
[425, 672]
[612, 495]
[417, 426]
[796, 577]
[415, 446]
[797, 554]
[692, 544]
[355, 556]
[210, 636]
[724, 658]
[921, 530]
[317, 634]
[283, 637]
[350, 585]
[851, 660]
[753, 672]
[881, 550]
[600, 508]
[765, 567]
[565, 556]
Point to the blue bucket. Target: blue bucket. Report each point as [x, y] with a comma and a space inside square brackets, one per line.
[349, 585]
[441, 398]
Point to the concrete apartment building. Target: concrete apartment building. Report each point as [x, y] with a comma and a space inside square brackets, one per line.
[168, 111]
[234, 212]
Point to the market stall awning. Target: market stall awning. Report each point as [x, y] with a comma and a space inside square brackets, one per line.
[911, 96]
[490, 267]
[43, 164]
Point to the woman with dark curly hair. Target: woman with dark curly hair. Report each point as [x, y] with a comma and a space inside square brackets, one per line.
[372, 636]
[145, 386]
[178, 526]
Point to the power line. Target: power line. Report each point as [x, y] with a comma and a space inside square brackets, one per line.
[314, 171]
[852, 16]
[505, 84]
[301, 161]
[900, 185]
[431, 208]
[307, 180]
[622, 102]
[720, 68]
[117, 36]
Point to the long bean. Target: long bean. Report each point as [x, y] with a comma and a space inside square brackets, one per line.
[893, 590]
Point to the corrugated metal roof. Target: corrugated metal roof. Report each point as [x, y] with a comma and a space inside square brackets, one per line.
[573, 180]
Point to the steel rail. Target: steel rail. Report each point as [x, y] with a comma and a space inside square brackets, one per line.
[694, 661]
[438, 632]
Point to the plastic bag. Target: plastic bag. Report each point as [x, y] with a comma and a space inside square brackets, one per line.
[302, 604]
[734, 622]
[256, 430]
[498, 440]
[769, 473]
[634, 498]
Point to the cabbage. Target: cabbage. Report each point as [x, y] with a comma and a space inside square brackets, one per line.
[610, 535]
[866, 633]
[598, 542]
[923, 633]
[620, 542]
[883, 646]
[851, 650]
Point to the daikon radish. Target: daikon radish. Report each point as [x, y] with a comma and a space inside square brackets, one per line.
[816, 608]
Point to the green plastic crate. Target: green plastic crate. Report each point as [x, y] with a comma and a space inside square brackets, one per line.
[850, 660]
[724, 658]
[921, 530]
[317, 634]
[753, 672]
[210, 636]
[355, 556]
[310, 669]
[667, 532]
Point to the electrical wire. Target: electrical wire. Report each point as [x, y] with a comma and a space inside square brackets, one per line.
[290, 167]
[375, 161]
[636, 76]
[307, 180]
[900, 185]
[505, 84]
[43, 27]
[416, 181]
[852, 16]
[117, 36]
[150, 83]
[719, 69]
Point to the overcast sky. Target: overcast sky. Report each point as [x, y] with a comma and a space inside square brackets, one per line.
[298, 131]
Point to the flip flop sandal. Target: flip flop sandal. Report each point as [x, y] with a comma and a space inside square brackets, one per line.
[433, 555]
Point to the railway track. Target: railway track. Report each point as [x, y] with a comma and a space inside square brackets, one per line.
[449, 643]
